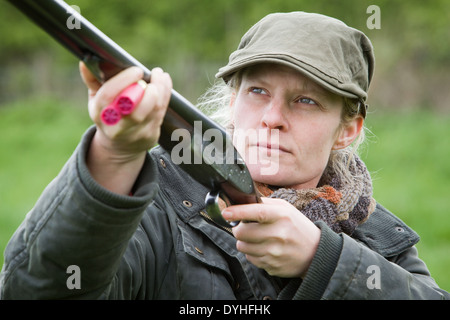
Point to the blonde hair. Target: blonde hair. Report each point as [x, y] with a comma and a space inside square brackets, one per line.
[343, 160]
[215, 102]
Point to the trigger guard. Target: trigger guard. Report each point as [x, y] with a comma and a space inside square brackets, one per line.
[213, 209]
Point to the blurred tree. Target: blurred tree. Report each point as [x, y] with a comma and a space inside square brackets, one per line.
[192, 38]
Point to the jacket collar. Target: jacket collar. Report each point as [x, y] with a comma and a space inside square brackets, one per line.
[185, 194]
[385, 233]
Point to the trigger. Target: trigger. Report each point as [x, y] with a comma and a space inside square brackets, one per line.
[215, 202]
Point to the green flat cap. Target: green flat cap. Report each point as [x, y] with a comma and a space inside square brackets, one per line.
[324, 49]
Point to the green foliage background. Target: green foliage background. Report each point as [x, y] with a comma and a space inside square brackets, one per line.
[43, 102]
[191, 39]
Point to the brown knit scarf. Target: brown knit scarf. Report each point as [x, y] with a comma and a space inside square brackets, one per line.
[341, 204]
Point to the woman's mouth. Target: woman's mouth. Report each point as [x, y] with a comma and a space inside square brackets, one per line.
[271, 147]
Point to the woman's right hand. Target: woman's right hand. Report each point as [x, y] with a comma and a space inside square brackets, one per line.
[117, 152]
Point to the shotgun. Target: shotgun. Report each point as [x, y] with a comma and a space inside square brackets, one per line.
[225, 174]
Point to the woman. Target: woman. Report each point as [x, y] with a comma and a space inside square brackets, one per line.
[134, 223]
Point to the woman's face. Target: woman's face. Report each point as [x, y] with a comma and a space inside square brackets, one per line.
[286, 126]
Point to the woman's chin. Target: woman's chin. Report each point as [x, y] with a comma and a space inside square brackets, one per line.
[267, 175]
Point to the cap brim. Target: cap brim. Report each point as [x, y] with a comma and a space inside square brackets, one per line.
[226, 73]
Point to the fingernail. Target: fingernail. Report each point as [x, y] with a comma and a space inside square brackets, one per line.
[227, 214]
[142, 83]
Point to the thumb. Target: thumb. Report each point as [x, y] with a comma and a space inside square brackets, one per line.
[89, 79]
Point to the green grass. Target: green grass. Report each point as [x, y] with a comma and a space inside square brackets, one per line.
[409, 161]
[408, 158]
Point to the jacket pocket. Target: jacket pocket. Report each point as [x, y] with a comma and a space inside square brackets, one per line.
[196, 246]
[203, 271]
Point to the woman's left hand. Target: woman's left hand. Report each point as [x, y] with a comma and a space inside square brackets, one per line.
[279, 238]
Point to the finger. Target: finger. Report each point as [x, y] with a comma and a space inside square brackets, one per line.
[251, 249]
[156, 97]
[257, 255]
[163, 82]
[257, 212]
[254, 233]
[111, 88]
[146, 107]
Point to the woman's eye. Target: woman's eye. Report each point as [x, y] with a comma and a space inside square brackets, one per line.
[307, 101]
[258, 90]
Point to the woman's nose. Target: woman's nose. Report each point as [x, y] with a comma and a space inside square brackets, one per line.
[274, 116]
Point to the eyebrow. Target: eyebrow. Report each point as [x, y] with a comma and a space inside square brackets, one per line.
[310, 87]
